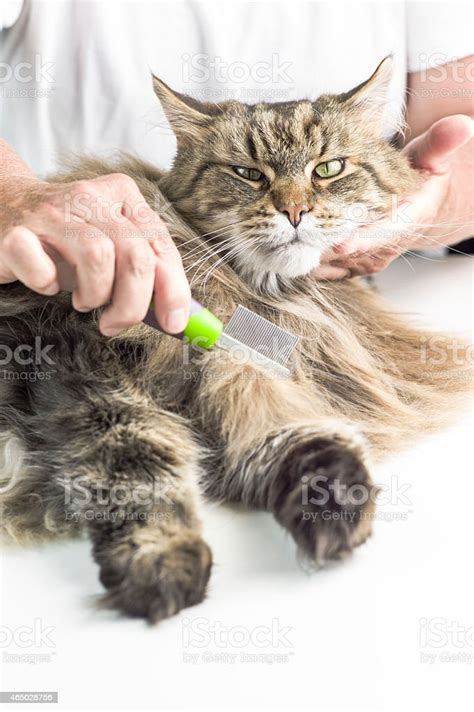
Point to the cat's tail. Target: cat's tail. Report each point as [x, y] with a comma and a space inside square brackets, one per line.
[399, 380]
[430, 377]
[432, 380]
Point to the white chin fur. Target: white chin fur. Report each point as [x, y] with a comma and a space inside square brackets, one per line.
[294, 261]
[280, 258]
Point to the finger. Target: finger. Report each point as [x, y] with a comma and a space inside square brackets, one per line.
[370, 264]
[93, 255]
[347, 247]
[133, 285]
[330, 272]
[172, 292]
[24, 258]
[85, 248]
[432, 150]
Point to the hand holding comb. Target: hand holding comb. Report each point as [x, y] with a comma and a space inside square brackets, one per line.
[248, 336]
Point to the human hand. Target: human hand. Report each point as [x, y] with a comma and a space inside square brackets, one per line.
[436, 215]
[120, 249]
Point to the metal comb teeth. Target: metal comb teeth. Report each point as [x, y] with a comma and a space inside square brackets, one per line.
[261, 335]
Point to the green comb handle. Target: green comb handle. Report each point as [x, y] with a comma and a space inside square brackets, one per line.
[202, 330]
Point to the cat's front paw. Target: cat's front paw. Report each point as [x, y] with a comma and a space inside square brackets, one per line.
[324, 496]
[156, 579]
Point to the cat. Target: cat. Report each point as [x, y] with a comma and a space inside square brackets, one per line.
[124, 435]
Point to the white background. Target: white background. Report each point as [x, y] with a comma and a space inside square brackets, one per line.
[356, 628]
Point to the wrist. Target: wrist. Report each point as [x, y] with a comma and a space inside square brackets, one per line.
[16, 197]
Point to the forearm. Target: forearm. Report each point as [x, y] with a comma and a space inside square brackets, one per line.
[12, 167]
[438, 92]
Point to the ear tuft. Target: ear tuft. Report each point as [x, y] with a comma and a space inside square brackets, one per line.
[371, 95]
[185, 115]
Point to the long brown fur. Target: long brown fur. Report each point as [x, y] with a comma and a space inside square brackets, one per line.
[136, 411]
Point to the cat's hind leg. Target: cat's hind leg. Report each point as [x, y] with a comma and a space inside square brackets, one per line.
[141, 506]
[315, 481]
[143, 517]
[128, 472]
[280, 453]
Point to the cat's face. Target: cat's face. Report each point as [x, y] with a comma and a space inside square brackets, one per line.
[272, 186]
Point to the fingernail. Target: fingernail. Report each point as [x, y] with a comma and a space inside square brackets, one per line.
[175, 321]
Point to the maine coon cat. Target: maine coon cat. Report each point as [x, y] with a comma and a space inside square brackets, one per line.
[122, 436]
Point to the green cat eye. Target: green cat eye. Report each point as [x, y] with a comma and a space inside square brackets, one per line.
[329, 169]
[248, 173]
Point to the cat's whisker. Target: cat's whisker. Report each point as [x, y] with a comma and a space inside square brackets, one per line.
[409, 225]
[213, 250]
[204, 262]
[198, 251]
[217, 234]
[419, 256]
[206, 247]
[211, 244]
[432, 243]
[214, 232]
[437, 243]
[241, 244]
[227, 258]
[225, 248]
[203, 243]
[405, 259]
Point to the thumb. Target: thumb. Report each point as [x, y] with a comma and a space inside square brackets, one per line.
[432, 150]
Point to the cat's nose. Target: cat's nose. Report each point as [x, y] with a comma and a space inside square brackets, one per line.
[294, 213]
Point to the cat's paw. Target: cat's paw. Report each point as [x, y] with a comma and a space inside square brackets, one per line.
[324, 496]
[156, 579]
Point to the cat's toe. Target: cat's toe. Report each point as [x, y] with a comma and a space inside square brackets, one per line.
[324, 496]
[158, 579]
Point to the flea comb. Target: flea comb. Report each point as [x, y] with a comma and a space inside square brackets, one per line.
[248, 337]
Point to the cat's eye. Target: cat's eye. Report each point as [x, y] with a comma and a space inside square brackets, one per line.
[248, 173]
[329, 169]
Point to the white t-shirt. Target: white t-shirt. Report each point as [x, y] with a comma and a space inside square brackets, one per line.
[75, 74]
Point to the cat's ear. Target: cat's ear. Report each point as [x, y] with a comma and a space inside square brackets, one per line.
[371, 95]
[185, 115]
